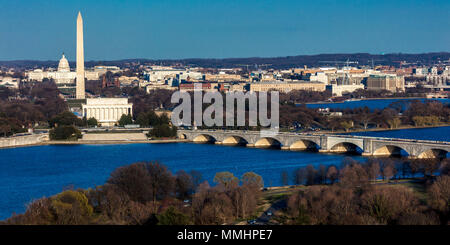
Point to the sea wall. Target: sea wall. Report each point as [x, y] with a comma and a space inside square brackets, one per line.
[23, 140]
[114, 137]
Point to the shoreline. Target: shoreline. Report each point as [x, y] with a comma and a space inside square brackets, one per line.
[166, 141]
[102, 142]
[341, 102]
[385, 129]
[99, 142]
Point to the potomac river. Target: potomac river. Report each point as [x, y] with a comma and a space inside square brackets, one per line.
[371, 103]
[28, 173]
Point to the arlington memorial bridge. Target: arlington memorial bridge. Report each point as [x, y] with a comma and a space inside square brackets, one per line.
[327, 143]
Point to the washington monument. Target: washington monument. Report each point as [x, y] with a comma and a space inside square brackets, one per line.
[80, 59]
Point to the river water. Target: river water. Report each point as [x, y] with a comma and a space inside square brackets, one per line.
[371, 103]
[29, 173]
[32, 172]
[436, 134]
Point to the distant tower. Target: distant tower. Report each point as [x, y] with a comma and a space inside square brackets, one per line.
[80, 92]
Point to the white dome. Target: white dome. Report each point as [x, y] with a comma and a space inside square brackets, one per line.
[63, 64]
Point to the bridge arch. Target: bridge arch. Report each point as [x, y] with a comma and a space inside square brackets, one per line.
[302, 145]
[433, 153]
[268, 142]
[204, 138]
[346, 147]
[234, 140]
[390, 150]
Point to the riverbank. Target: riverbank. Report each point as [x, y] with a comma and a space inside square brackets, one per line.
[383, 129]
[23, 140]
[340, 102]
[111, 141]
[101, 142]
[97, 142]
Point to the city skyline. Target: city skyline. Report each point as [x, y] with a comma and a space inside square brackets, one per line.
[179, 31]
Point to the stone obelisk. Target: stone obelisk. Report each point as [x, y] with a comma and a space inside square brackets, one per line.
[80, 59]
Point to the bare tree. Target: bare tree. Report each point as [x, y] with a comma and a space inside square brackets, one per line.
[388, 171]
[284, 178]
[322, 174]
[332, 173]
[311, 175]
[184, 185]
[353, 176]
[299, 176]
[373, 169]
[226, 179]
[253, 180]
[133, 180]
[196, 178]
[439, 197]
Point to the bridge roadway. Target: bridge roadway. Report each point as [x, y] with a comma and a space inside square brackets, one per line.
[368, 146]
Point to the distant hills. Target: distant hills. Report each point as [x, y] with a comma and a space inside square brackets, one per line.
[392, 59]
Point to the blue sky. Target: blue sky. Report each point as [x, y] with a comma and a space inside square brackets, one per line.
[220, 29]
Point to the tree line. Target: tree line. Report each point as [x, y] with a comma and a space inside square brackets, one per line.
[292, 114]
[389, 169]
[402, 113]
[285, 62]
[147, 193]
[40, 102]
[411, 113]
[34, 104]
[350, 198]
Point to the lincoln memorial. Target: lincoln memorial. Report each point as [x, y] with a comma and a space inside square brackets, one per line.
[107, 111]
